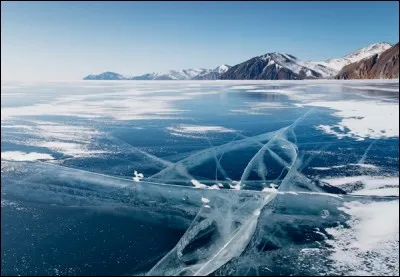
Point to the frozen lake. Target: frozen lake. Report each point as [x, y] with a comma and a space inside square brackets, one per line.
[200, 178]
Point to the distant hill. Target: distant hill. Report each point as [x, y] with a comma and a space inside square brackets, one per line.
[105, 76]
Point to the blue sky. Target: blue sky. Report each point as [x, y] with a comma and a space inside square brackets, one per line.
[69, 40]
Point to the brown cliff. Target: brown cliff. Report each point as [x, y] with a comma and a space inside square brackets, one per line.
[379, 66]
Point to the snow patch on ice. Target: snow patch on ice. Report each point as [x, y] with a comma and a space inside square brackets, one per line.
[70, 148]
[129, 107]
[197, 184]
[23, 156]
[269, 190]
[381, 185]
[371, 245]
[205, 200]
[214, 187]
[363, 119]
[322, 168]
[371, 166]
[244, 87]
[198, 129]
[235, 185]
[137, 176]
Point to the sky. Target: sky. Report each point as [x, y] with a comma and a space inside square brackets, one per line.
[69, 40]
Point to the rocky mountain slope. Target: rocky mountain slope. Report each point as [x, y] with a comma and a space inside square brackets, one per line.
[272, 66]
[379, 66]
[337, 64]
[278, 66]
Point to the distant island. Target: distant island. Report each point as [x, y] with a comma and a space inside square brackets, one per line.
[375, 61]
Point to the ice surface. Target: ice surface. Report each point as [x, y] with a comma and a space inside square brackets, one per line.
[69, 148]
[300, 202]
[229, 240]
[130, 107]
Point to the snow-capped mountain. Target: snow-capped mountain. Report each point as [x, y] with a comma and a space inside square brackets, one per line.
[106, 76]
[271, 66]
[276, 66]
[213, 74]
[335, 65]
[384, 65]
[184, 74]
[222, 68]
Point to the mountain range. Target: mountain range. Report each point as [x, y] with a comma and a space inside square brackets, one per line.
[185, 74]
[379, 60]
